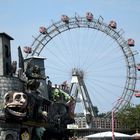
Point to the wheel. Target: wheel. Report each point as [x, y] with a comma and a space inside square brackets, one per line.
[95, 48]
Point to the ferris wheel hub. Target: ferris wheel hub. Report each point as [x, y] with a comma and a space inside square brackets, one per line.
[78, 72]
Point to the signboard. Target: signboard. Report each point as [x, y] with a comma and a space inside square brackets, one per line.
[72, 126]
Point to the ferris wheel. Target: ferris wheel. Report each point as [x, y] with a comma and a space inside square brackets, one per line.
[97, 50]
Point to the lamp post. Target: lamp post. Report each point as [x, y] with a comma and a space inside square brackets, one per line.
[112, 116]
[113, 138]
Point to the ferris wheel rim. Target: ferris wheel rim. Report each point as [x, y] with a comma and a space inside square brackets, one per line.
[96, 24]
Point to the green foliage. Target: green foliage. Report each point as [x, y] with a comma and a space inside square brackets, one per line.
[101, 115]
[95, 109]
[130, 117]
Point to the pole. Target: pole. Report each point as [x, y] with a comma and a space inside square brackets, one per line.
[113, 125]
[112, 116]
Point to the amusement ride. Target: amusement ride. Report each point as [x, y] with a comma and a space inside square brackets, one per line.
[76, 66]
[89, 58]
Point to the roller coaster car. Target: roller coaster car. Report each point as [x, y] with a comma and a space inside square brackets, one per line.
[27, 49]
[65, 18]
[42, 30]
[89, 16]
[112, 24]
[131, 42]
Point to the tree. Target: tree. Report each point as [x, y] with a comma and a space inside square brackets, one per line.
[95, 109]
[130, 117]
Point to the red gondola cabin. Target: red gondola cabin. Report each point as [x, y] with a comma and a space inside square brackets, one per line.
[131, 42]
[113, 24]
[65, 18]
[27, 49]
[137, 95]
[138, 67]
[89, 16]
[42, 30]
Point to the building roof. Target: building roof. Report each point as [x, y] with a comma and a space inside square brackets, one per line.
[35, 57]
[108, 134]
[136, 135]
[6, 35]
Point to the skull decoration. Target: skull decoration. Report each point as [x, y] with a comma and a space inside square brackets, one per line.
[15, 103]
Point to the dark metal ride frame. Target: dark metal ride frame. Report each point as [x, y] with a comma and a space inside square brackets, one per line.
[96, 24]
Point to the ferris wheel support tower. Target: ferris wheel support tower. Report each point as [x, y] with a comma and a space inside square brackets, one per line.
[78, 87]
